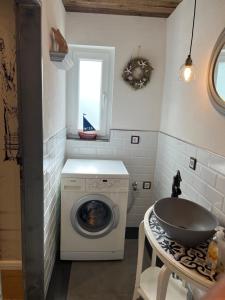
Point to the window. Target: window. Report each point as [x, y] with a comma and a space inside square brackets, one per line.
[89, 89]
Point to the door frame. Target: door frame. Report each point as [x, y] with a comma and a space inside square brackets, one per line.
[29, 80]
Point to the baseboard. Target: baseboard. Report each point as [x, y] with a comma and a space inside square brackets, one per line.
[59, 282]
[131, 233]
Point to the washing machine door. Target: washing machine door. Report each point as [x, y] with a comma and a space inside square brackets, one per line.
[94, 216]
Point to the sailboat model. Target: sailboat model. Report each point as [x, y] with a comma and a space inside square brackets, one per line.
[89, 132]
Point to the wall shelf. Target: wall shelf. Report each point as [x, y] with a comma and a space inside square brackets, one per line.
[61, 60]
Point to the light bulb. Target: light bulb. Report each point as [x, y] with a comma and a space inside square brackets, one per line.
[187, 71]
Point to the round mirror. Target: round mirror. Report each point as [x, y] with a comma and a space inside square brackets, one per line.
[216, 82]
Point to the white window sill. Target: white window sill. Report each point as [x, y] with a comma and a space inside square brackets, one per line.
[98, 139]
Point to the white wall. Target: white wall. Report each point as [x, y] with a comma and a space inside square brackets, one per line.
[131, 109]
[53, 15]
[187, 112]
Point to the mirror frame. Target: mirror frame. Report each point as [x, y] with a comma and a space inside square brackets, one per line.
[216, 100]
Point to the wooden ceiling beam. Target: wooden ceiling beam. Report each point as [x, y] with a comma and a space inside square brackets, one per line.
[151, 8]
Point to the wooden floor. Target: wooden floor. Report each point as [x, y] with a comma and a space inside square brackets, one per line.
[12, 279]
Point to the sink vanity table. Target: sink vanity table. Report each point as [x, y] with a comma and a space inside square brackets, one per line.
[189, 264]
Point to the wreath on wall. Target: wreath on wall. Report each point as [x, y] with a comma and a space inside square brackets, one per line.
[137, 72]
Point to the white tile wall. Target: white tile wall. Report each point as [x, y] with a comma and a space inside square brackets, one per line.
[205, 185]
[139, 160]
[155, 159]
[54, 157]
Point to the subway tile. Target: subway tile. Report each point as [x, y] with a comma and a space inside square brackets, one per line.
[139, 169]
[217, 163]
[186, 175]
[205, 185]
[223, 207]
[141, 177]
[104, 153]
[220, 215]
[199, 185]
[204, 202]
[143, 201]
[88, 151]
[202, 156]
[208, 175]
[190, 150]
[161, 156]
[52, 165]
[190, 192]
[214, 197]
[220, 184]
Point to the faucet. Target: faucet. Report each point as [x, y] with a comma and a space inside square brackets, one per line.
[176, 191]
[134, 186]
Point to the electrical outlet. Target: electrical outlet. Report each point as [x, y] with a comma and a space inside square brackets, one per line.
[147, 185]
[192, 163]
[135, 139]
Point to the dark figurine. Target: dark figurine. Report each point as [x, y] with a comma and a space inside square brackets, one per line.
[176, 191]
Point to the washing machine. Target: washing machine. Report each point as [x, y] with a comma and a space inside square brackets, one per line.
[94, 196]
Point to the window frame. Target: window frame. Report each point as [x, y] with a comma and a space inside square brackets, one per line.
[107, 56]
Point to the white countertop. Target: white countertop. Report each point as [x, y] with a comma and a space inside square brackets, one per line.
[91, 168]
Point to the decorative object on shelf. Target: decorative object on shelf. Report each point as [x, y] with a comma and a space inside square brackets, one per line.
[59, 51]
[137, 72]
[187, 71]
[216, 251]
[8, 94]
[59, 43]
[88, 132]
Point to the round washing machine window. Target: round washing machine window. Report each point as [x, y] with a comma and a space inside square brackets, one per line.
[94, 216]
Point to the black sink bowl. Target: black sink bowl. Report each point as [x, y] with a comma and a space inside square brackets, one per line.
[185, 221]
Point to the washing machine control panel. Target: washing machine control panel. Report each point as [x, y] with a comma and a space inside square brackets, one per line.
[94, 185]
[107, 185]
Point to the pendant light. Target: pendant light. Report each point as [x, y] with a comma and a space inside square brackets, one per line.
[187, 71]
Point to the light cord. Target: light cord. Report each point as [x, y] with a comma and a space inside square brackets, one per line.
[193, 26]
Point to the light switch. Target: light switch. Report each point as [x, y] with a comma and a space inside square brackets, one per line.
[147, 185]
[192, 163]
[135, 139]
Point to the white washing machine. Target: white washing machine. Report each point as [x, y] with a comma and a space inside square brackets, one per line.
[93, 209]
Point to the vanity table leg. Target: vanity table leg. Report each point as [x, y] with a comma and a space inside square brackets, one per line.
[141, 244]
[162, 284]
[153, 261]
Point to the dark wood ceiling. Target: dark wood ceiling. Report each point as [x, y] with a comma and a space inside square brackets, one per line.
[149, 8]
